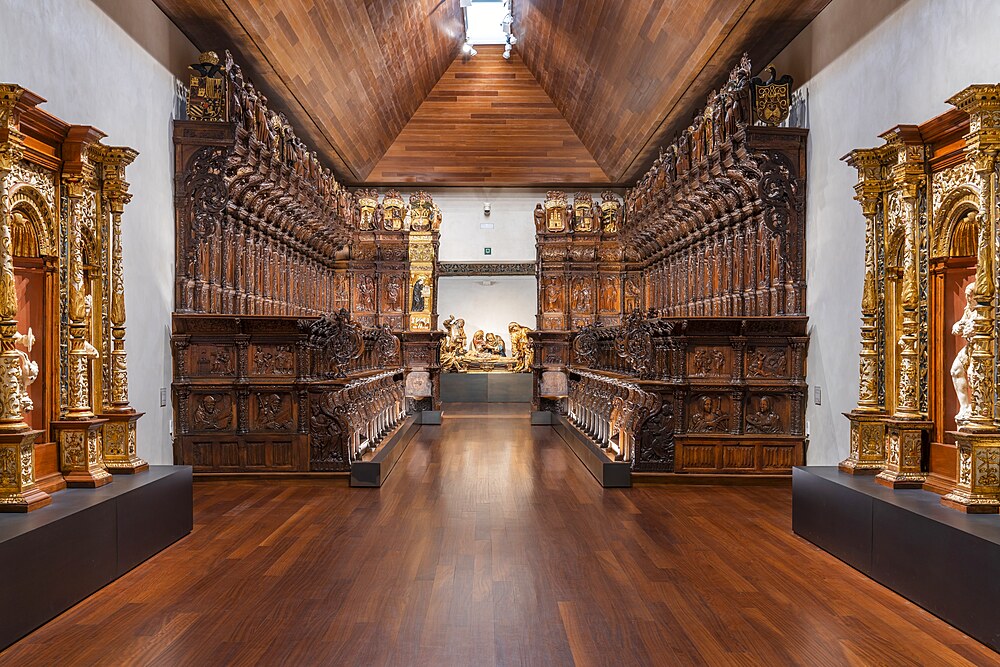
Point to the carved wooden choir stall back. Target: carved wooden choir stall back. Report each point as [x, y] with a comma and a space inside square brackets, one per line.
[706, 372]
[927, 413]
[65, 416]
[265, 235]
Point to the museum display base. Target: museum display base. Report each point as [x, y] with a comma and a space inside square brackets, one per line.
[486, 387]
[610, 474]
[940, 559]
[372, 473]
[84, 540]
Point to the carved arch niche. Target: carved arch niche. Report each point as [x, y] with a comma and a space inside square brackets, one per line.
[955, 229]
[36, 274]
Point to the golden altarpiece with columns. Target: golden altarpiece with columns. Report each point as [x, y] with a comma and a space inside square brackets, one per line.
[927, 414]
[65, 417]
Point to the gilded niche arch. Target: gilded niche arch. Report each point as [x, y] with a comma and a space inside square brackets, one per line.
[956, 230]
[32, 229]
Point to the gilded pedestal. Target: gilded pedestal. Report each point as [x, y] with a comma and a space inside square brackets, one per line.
[868, 436]
[119, 444]
[81, 452]
[904, 445]
[977, 489]
[18, 491]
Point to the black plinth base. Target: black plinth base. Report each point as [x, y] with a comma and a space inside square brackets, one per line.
[56, 556]
[498, 387]
[610, 474]
[945, 561]
[374, 471]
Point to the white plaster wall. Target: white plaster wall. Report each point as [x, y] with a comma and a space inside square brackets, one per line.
[112, 64]
[867, 66]
[512, 237]
[488, 307]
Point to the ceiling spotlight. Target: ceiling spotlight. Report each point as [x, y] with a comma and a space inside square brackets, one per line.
[506, 54]
[467, 49]
[512, 40]
[473, 52]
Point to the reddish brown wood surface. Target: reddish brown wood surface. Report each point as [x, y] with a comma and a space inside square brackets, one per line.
[349, 74]
[629, 75]
[491, 544]
[487, 121]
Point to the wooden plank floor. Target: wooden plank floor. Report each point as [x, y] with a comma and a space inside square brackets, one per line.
[491, 544]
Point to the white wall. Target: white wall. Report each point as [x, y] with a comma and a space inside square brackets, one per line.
[488, 307]
[512, 237]
[867, 66]
[112, 64]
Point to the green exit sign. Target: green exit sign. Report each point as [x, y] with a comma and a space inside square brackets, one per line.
[487, 251]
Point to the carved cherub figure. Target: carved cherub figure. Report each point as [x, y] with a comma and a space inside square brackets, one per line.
[29, 368]
[960, 367]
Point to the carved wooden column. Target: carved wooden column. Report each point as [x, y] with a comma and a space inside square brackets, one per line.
[119, 434]
[18, 491]
[79, 434]
[977, 489]
[908, 426]
[867, 449]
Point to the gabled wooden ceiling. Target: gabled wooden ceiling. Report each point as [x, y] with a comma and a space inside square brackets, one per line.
[488, 120]
[348, 73]
[629, 74]
[626, 75]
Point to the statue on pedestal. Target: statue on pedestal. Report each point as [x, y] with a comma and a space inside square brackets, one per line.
[960, 367]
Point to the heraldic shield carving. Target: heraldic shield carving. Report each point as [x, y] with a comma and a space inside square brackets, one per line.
[771, 98]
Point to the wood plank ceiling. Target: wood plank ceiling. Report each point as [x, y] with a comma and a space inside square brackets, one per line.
[630, 74]
[626, 75]
[488, 120]
[348, 73]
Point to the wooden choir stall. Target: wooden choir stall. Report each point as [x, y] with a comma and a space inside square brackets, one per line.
[674, 339]
[304, 329]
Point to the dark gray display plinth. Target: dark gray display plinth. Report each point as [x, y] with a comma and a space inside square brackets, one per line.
[486, 387]
[945, 561]
[610, 474]
[56, 556]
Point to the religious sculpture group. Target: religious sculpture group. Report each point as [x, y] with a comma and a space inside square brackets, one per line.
[486, 351]
[65, 416]
[671, 327]
[927, 414]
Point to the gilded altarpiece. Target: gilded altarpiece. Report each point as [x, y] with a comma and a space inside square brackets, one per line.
[927, 408]
[66, 416]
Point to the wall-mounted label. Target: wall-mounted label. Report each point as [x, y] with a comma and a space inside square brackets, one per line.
[486, 225]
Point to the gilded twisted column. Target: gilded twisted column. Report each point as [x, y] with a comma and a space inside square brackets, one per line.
[908, 388]
[868, 430]
[117, 196]
[119, 433]
[79, 398]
